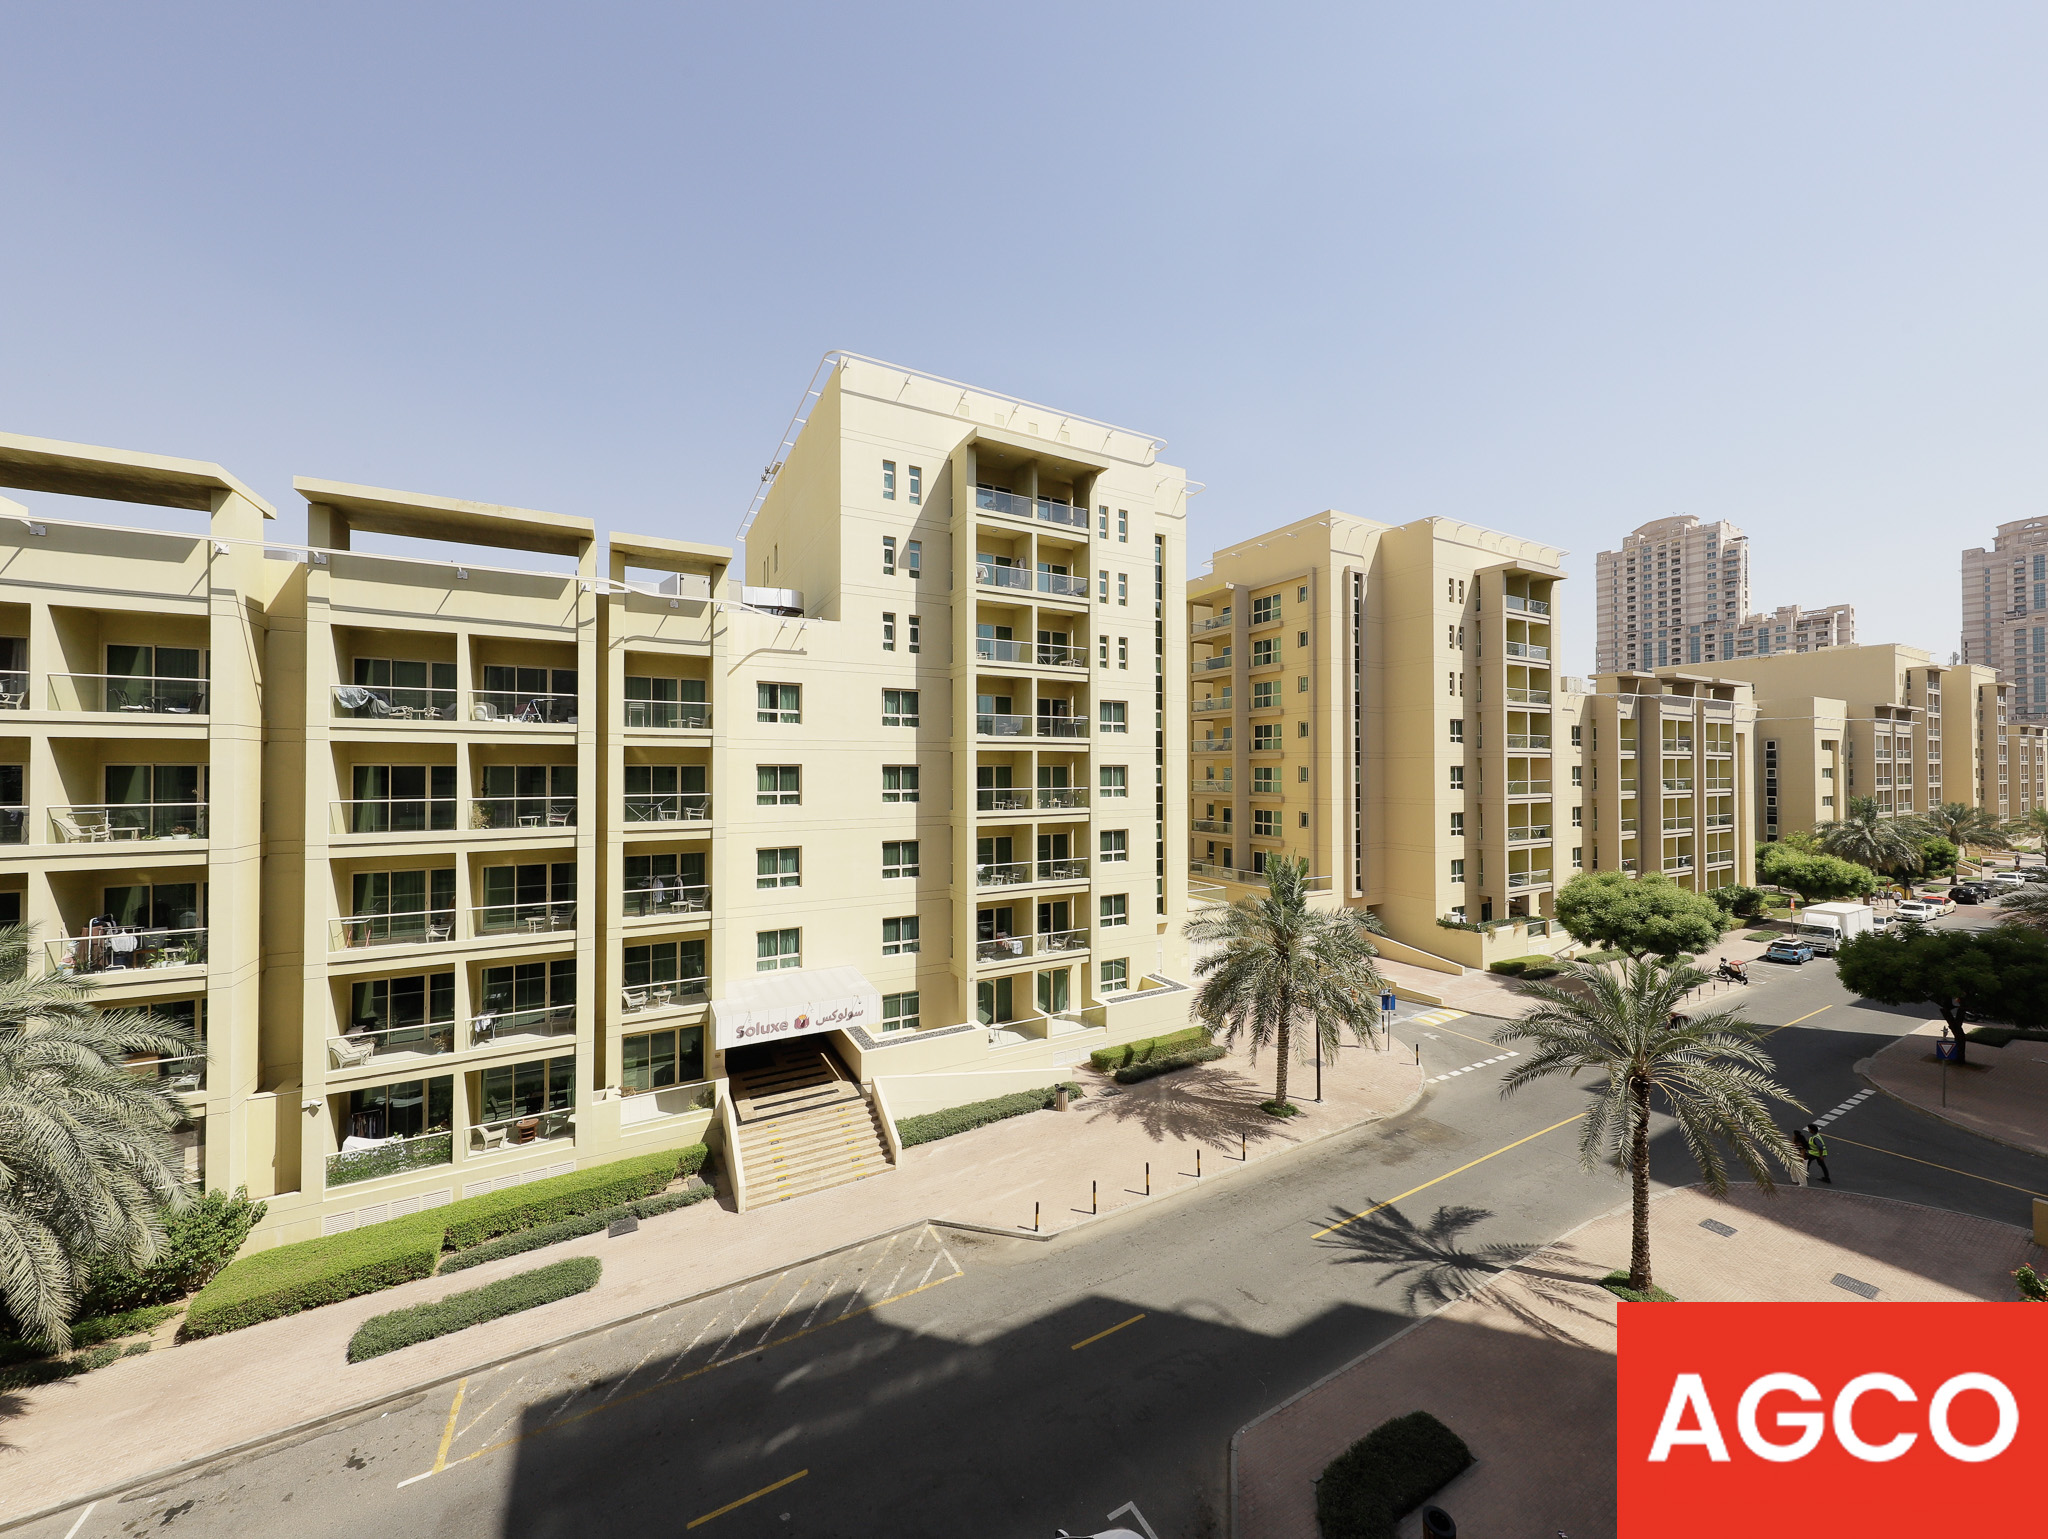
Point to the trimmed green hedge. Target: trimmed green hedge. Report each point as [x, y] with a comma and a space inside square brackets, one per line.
[1514, 967]
[476, 1219]
[964, 1119]
[310, 1273]
[1595, 958]
[571, 1228]
[1164, 1063]
[1998, 1036]
[459, 1311]
[1386, 1475]
[1107, 1059]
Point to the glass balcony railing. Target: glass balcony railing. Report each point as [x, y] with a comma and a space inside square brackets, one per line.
[1628, 825]
[13, 691]
[187, 1075]
[1532, 833]
[1525, 605]
[1528, 788]
[670, 807]
[1528, 696]
[668, 898]
[1677, 783]
[527, 812]
[1062, 870]
[1056, 941]
[1009, 873]
[1678, 825]
[13, 825]
[991, 574]
[127, 949]
[520, 706]
[122, 822]
[1720, 820]
[1053, 798]
[414, 928]
[386, 702]
[1213, 703]
[1040, 654]
[1528, 649]
[1214, 623]
[415, 815]
[998, 725]
[1063, 584]
[1526, 740]
[1062, 726]
[1003, 799]
[389, 1157]
[668, 715]
[1212, 744]
[553, 1020]
[535, 918]
[371, 1039]
[1677, 862]
[1681, 745]
[1528, 879]
[1210, 826]
[143, 694]
[521, 1128]
[990, 499]
[1003, 948]
[637, 997]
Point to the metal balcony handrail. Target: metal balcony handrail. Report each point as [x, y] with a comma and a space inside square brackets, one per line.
[362, 1042]
[664, 715]
[636, 997]
[1628, 825]
[1008, 873]
[129, 948]
[1527, 605]
[517, 812]
[1002, 948]
[1063, 584]
[413, 927]
[187, 1073]
[1003, 799]
[396, 702]
[152, 694]
[1062, 726]
[122, 822]
[1055, 797]
[524, 918]
[391, 815]
[669, 807]
[1213, 623]
[988, 724]
[669, 898]
[1052, 941]
[549, 1020]
[992, 575]
[1062, 870]
[523, 706]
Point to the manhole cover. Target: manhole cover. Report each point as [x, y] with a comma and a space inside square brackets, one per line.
[1860, 1289]
[1717, 1226]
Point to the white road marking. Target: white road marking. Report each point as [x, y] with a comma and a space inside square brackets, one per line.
[1847, 1106]
[75, 1527]
[1454, 1073]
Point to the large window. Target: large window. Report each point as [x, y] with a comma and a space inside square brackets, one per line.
[529, 795]
[665, 884]
[416, 1011]
[387, 686]
[384, 798]
[899, 782]
[652, 702]
[778, 950]
[678, 964]
[994, 1001]
[1265, 610]
[175, 907]
[533, 996]
[780, 703]
[899, 935]
[404, 1110]
[654, 1059]
[778, 785]
[779, 867]
[899, 707]
[899, 1011]
[528, 897]
[527, 1089]
[899, 857]
[665, 793]
[398, 906]
[527, 694]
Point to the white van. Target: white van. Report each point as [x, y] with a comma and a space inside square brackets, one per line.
[1824, 926]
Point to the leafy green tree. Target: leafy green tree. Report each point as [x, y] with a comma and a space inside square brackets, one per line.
[1999, 974]
[1816, 878]
[1869, 838]
[88, 1167]
[199, 1240]
[1642, 916]
[1738, 902]
[2026, 909]
[1284, 973]
[1709, 1072]
[1963, 825]
[1937, 856]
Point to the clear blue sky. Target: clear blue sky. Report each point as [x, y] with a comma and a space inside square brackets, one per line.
[1554, 269]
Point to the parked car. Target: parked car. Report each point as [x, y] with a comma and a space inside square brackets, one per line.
[1797, 952]
[2003, 879]
[1924, 909]
[1884, 922]
[1966, 895]
[2034, 874]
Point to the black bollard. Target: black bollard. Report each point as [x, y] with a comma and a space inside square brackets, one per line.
[1437, 1524]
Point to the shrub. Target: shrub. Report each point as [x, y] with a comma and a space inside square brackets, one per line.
[390, 1159]
[1386, 1475]
[1595, 958]
[1511, 967]
[1164, 1063]
[91, 1332]
[2031, 1289]
[1616, 1283]
[1537, 971]
[1106, 1059]
[1761, 935]
[476, 1219]
[571, 1228]
[507, 1296]
[963, 1119]
[198, 1242]
[47, 1370]
[315, 1272]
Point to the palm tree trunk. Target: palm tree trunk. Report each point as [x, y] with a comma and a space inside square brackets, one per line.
[1639, 1240]
[1283, 1042]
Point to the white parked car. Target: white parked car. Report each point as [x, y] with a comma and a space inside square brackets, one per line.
[1924, 909]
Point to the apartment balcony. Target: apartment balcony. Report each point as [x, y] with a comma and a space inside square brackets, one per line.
[1678, 745]
[186, 1075]
[366, 1042]
[377, 1157]
[1524, 605]
[1627, 825]
[1003, 799]
[1211, 826]
[386, 815]
[1528, 696]
[1528, 649]
[1528, 788]
[13, 825]
[1037, 654]
[520, 708]
[14, 689]
[539, 1022]
[521, 812]
[1213, 744]
[1205, 707]
[668, 715]
[419, 927]
[1673, 783]
[1521, 741]
[1214, 664]
[1061, 798]
[536, 918]
[1720, 820]
[665, 807]
[677, 993]
[119, 823]
[1215, 623]
[1677, 862]
[1718, 783]
[1004, 948]
[133, 693]
[1024, 872]
[989, 574]
[989, 499]
[114, 952]
[522, 1129]
[1062, 726]
[388, 702]
[988, 725]
[1522, 879]
[1534, 833]
[668, 898]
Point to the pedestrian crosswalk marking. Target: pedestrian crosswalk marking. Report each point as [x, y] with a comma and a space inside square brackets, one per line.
[1847, 1106]
[1436, 1017]
[1453, 1074]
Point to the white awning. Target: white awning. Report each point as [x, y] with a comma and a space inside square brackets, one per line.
[770, 1007]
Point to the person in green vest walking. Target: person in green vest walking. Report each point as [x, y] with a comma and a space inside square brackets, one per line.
[1815, 1148]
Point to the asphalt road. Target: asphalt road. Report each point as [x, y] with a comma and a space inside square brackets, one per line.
[949, 1384]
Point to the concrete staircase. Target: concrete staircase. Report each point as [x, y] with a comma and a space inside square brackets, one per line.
[803, 1126]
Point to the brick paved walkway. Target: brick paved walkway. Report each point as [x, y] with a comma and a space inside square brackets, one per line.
[147, 1413]
[2002, 1092]
[1524, 1369]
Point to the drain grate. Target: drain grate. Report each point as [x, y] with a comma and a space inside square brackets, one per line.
[1717, 1227]
[1861, 1289]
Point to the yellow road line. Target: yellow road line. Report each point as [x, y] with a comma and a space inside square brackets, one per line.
[1077, 1346]
[1987, 1180]
[683, 1378]
[448, 1432]
[728, 1507]
[1806, 1017]
[1482, 1041]
[1503, 1149]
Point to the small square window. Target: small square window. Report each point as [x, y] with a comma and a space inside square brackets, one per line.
[1116, 910]
[1114, 716]
[899, 707]
[899, 782]
[779, 703]
[1457, 871]
[1266, 823]
[899, 857]
[888, 480]
[899, 1011]
[1116, 976]
[779, 867]
[1115, 846]
[1115, 780]
[899, 936]
[778, 785]
[776, 950]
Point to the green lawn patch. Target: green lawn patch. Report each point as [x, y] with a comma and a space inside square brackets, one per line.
[1165, 1063]
[459, 1311]
[571, 1228]
[1108, 1059]
[1761, 935]
[1280, 1108]
[1616, 1283]
[928, 1126]
[130, 1322]
[1367, 1489]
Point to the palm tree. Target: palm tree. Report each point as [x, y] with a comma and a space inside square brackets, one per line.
[87, 1163]
[1963, 825]
[1866, 836]
[1710, 1070]
[2034, 826]
[1280, 968]
[2026, 909]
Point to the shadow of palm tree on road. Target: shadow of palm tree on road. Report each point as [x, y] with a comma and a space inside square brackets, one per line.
[1215, 1105]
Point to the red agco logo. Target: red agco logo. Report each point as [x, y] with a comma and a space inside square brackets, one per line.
[1865, 1419]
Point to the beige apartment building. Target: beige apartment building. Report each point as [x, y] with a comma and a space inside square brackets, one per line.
[1383, 701]
[468, 873]
[2005, 614]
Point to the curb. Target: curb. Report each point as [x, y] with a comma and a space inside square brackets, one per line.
[303, 1429]
[1914, 1106]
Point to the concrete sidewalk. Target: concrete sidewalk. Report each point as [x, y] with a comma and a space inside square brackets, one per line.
[2000, 1092]
[148, 1413]
[1484, 993]
[1523, 1370]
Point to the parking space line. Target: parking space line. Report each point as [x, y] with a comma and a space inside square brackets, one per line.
[756, 1496]
[448, 1432]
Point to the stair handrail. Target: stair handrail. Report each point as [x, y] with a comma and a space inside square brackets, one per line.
[891, 1139]
[731, 1128]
